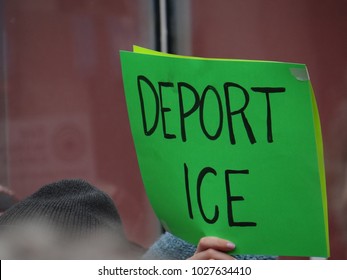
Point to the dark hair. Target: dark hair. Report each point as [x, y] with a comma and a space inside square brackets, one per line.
[7, 199]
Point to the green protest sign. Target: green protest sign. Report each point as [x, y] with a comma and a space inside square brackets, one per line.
[230, 148]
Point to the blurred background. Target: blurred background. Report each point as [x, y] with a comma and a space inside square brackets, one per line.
[62, 106]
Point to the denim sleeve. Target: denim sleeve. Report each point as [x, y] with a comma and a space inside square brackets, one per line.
[170, 247]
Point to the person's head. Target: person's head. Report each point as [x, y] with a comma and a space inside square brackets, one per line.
[68, 219]
[7, 199]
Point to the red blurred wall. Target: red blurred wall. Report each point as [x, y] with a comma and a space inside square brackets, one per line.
[66, 109]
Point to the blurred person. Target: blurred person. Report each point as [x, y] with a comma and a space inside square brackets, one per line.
[7, 199]
[336, 170]
[68, 219]
[344, 204]
[71, 219]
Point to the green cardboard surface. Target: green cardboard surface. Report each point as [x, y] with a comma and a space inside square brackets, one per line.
[230, 148]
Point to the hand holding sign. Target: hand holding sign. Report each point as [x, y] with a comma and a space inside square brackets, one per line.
[213, 248]
[230, 148]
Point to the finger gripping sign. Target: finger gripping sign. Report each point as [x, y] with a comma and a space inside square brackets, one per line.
[230, 148]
